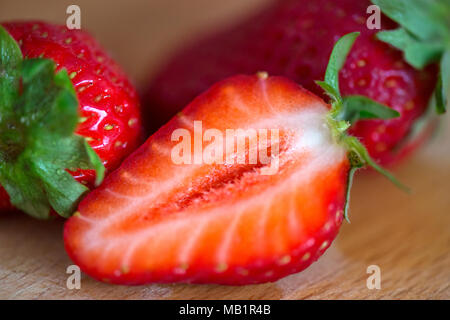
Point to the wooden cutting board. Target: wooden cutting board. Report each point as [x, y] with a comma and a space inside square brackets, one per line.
[407, 236]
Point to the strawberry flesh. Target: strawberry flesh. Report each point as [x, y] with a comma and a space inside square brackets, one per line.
[156, 221]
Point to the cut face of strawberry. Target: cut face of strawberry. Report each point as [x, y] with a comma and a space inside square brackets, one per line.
[228, 221]
[154, 220]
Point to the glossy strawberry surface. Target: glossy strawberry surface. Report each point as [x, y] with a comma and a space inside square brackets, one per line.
[153, 220]
[109, 107]
[294, 38]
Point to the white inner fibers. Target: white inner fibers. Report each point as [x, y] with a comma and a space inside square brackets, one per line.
[312, 137]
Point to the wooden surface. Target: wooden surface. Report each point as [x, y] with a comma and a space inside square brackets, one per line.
[407, 236]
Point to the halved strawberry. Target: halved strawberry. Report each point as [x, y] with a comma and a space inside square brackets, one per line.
[154, 220]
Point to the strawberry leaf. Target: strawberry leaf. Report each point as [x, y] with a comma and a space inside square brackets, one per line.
[345, 111]
[350, 108]
[329, 90]
[11, 59]
[354, 145]
[417, 53]
[359, 108]
[355, 164]
[424, 37]
[337, 60]
[37, 141]
[443, 86]
[426, 19]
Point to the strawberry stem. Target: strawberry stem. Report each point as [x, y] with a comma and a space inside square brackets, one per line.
[345, 111]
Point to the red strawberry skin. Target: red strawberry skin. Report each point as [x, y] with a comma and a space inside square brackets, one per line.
[156, 221]
[109, 106]
[294, 38]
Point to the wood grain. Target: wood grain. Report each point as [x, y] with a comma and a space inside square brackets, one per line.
[407, 236]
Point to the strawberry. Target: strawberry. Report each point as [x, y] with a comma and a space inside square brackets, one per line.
[294, 38]
[157, 220]
[66, 107]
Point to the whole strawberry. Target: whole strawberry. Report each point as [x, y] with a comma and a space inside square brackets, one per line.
[65, 106]
[294, 38]
[231, 220]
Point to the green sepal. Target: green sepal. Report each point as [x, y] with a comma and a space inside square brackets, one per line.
[63, 192]
[330, 90]
[353, 144]
[359, 158]
[417, 53]
[424, 37]
[11, 59]
[355, 164]
[345, 111]
[357, 108]
[443, 85]
[426, 19]
[349, 108]
[94, 162]
[348, 190]
[37, 136]
[24, 189]
[336, 62]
